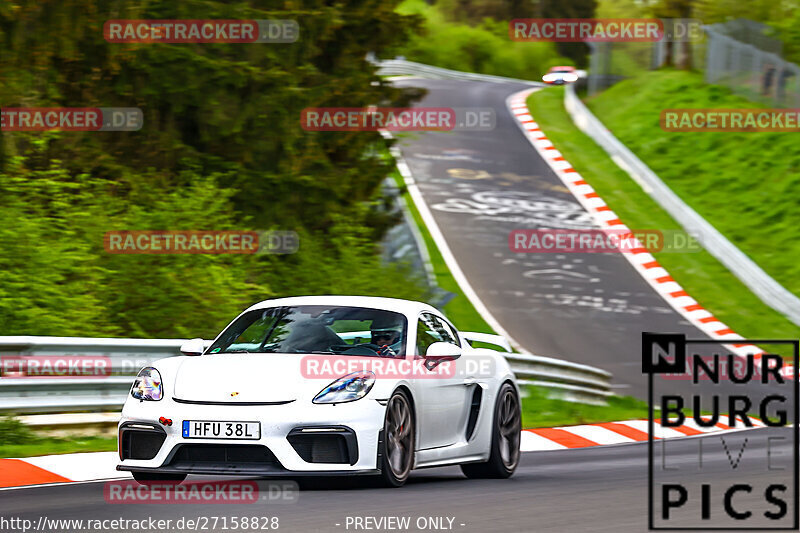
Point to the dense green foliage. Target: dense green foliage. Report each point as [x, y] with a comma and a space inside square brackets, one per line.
[483, 47]
[783, 17]
[221, 148]
[474, 12]
[13, 431]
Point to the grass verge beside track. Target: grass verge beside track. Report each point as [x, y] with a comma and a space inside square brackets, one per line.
[539, 410]
[745, 183]
[703, 277]
[53, 445]
[19, 440]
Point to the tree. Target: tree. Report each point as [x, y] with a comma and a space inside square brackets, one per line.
[676, 9]
[222, 146]
[571, 9]
[474, 11]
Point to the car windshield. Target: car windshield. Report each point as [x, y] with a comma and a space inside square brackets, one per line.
[316, 329]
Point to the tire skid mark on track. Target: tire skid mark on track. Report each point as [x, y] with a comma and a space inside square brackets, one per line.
[644, 263]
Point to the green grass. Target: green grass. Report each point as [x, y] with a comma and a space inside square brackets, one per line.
[19, 440]
[540, 410]
[703, 277]
[52, 445]
[746, 183]
[460, 310]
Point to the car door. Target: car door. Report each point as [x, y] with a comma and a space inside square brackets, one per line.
[444, 403]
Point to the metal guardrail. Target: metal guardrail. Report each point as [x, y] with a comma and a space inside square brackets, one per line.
[762, 284]
[54, 395]
[31, 395]
[123, 359]
[401, 67]
[571, 381]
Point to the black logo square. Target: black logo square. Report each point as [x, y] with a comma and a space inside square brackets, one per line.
[663, 353]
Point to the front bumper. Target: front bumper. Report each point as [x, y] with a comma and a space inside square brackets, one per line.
[247, 472]
[280, 450]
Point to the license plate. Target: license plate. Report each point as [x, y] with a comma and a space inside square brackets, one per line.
[214, 429]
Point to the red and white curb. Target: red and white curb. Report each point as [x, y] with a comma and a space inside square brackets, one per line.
[101, 466]
[66, 468]
[644, 263]
[626, 432]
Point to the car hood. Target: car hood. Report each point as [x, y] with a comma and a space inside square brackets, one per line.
[243, 378]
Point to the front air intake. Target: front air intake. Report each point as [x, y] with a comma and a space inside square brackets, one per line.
[320, 448]
[141, 443]
[325, 445]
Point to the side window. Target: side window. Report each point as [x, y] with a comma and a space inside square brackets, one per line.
[425, 336]
[430, 329]
[450, 331]
[255, 334]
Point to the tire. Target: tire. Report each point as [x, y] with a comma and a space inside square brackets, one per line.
[396, 457]
[149, 478]
[506, 429]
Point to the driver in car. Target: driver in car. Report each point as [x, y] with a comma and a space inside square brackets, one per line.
[387, 334]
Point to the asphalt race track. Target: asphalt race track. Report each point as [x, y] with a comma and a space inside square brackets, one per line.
[589, 308]
[590, 489]
[585, 307]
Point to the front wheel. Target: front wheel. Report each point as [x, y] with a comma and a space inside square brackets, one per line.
[150, 478]
[397, 449]
[506, 429]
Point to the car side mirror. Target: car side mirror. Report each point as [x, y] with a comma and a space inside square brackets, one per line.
[193, 347]
[442, 351]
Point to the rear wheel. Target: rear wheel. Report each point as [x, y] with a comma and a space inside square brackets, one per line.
[149, 478]
[506, 429]
[397, 452]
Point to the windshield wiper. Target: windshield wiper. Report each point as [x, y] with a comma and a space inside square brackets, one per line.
[238, 350]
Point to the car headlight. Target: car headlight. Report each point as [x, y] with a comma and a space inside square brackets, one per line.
[349, 388]
[147, 385]
[549, 77]
[570, 77]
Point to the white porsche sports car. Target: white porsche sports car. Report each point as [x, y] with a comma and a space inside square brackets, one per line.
[317, 385]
